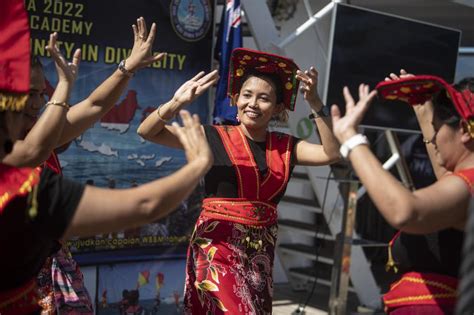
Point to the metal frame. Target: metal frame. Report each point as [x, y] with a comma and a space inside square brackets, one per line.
[342, 260]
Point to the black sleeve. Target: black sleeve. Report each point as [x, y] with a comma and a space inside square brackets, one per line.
[293, 155]
[58, 199]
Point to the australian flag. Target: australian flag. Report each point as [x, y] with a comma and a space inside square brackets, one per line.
[228, 38]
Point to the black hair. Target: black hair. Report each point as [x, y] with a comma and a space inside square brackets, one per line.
[274, 78]
[444, 107]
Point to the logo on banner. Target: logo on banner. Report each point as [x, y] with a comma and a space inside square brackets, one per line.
[191, 19]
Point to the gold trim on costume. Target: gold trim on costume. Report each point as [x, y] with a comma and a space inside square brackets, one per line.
[12, 102]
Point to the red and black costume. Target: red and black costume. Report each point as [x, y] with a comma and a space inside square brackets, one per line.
[429, 263]
[35, 210]
[230, 259]
[232, 249]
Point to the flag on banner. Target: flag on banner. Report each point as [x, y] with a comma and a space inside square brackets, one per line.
[160, 278]
[228, 38]
[143, 278]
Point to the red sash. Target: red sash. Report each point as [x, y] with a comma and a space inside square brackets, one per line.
[256, 213]
[416, 288]
[278, 154]
[19, 301]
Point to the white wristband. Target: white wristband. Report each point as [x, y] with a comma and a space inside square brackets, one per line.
[351, 143]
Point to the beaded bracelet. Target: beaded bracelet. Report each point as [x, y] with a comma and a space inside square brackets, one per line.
[62, 104]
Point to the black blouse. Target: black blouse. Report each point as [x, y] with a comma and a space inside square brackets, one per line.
[26, 243]
[221, 180]
[434, 253]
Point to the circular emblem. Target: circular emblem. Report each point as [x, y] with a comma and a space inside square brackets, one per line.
[304, 128]
[191, 19]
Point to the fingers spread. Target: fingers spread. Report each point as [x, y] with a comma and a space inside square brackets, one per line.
[135, 32]
[159, 56]
[348, 97]
[198, 76]
[151, 36]
[76, 58]
[335, 113]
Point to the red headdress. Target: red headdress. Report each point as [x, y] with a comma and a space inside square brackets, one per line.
[245, 60]
[418, 89]
[14, 56]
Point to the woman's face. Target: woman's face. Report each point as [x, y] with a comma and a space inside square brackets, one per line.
[256, 103]
[36, 98]
[447, 143]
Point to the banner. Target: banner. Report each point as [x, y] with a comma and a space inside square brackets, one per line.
[111, 154]
[141, 288]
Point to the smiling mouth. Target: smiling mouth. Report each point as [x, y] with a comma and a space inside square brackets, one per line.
[251, 114]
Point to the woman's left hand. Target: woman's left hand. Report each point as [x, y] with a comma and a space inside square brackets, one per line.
[309, 86]
[345, 126]
[67, 71]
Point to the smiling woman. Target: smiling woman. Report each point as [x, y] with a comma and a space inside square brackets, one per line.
[231, 252]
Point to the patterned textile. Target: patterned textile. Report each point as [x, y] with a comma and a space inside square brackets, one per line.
[421, 88]
[416, 288]
[60, 281]
[244, 60]
[231, 252]
[61, 286]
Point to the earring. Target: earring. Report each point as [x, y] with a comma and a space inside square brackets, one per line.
[237, 118]
[7, 146]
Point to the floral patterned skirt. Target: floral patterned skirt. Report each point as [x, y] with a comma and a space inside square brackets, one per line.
[230, 259]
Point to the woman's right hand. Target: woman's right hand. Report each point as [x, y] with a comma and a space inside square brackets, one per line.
[142, 55]
[191, 135]
[67, 71]
[192, 89]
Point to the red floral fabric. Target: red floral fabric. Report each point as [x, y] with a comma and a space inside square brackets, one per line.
[231, 252]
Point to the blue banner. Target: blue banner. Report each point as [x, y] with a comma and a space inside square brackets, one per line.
[111, 154]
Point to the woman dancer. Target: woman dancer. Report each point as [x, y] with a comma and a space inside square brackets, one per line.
[429, 262]
[231, 252]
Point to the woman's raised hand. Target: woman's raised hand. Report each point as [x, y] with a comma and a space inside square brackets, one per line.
[345, 126]
[142, 55]
[191, 136]
[193, 88]
[403, 74]
[67, 71]
[309, 87]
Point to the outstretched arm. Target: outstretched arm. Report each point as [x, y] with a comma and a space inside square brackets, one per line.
[441, 205]
[424, 115]
[154, 127]
[105, 210]
[83, 115]
[44, 136]
[309, 153]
